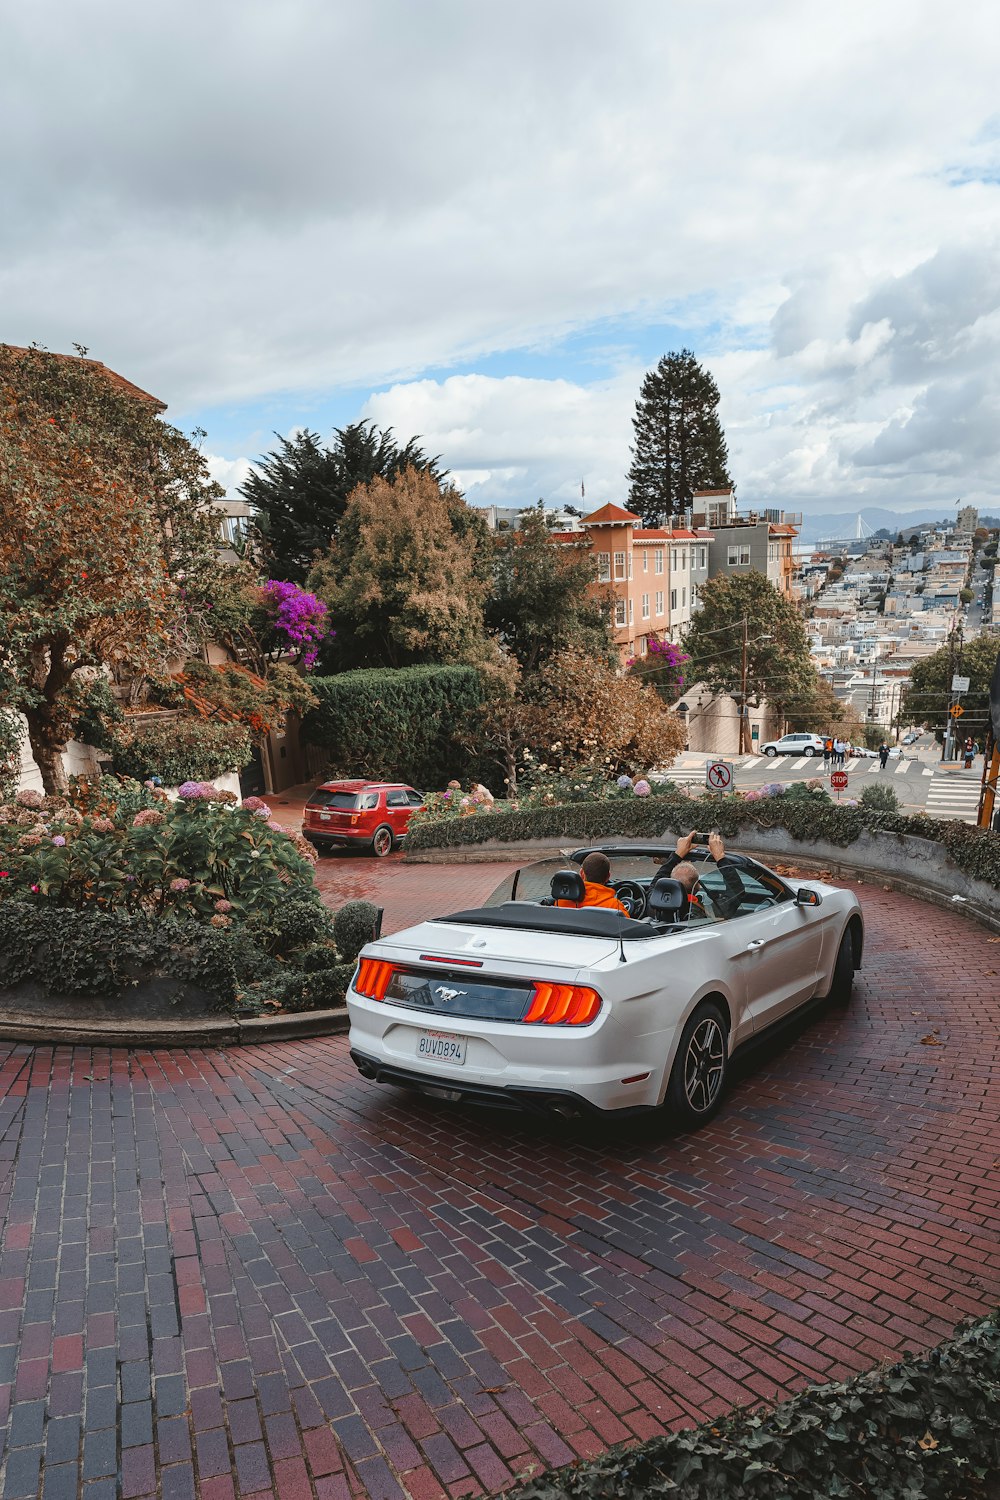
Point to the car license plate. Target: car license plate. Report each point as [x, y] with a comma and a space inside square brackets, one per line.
[324, 817]
[442, 1046]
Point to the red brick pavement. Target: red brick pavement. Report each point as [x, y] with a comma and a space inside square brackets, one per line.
[250, 1273]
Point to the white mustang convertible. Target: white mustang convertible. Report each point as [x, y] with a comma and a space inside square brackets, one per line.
[526, 1004]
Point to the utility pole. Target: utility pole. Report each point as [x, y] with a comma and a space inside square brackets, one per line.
[744, 747]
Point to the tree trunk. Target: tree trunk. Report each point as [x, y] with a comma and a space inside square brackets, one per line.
[47, 747]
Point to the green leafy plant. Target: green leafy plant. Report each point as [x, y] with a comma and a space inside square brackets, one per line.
[181, 749]
[407, 724]
[353, 927]
[921, 1429]
[879, 798]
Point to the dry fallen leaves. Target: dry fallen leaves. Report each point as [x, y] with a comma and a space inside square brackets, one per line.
[931, 1040]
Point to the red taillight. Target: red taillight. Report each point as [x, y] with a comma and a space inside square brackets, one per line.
[563, 1005]
[372, 978]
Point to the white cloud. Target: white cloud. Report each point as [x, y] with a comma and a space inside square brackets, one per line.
[244, 202]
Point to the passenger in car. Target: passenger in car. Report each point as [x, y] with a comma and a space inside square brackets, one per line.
[678, 867]
[596, 872]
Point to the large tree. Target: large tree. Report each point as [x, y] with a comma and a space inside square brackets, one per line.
[679, 443]
[406, 579]
[747, 607]
[928, 694]
[107, 541]
[299, 492]
[539, 603]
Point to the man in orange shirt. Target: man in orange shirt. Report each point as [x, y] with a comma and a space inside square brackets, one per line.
[596, 872]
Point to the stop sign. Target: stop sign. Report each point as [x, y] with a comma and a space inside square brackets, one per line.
[838, 780]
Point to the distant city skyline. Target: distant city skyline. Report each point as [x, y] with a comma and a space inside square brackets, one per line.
[484, 224]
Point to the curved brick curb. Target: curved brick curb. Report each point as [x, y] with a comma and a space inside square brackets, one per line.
[133, 1032]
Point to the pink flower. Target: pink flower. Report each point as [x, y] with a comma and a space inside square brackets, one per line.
[219, 921]
[179, 885]
[103, 825]
[256, 805]
[223, 906]
[641, 789]
[149, 817]
[59, 841]
[36, 889]
[29, 798]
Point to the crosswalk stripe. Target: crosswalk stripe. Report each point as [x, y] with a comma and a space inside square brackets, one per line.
[749, 764]
[901, 767]
[928, 770]
[873, 768]
[798, 764]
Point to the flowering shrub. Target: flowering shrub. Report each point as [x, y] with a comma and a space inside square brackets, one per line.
[297, 621]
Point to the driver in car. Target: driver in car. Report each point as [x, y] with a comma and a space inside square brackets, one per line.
[678, 866]
[596, 872]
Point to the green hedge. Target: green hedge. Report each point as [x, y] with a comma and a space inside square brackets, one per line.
[923, 1429]
[976, 851]
[180, 750]
[87, 952]
[408, 724]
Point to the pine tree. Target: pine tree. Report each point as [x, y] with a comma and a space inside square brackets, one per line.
[679, 443]
[299, 492]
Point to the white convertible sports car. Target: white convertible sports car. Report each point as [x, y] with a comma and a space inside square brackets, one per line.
[525, 1004]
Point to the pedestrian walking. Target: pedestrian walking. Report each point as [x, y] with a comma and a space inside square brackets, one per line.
[838, 752]
[827, 752]
[883, 755]
[969, 752]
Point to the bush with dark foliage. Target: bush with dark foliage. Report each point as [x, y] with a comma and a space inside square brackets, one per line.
[924, 1429]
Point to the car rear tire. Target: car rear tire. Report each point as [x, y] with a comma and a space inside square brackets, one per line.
[698, 1080]
[809, 750]
[382, 841]
[843, 972]
[770, 751]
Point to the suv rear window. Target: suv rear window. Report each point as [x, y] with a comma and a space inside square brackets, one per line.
[347, 800]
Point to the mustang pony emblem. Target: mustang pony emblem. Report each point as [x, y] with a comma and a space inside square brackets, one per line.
[444, 994]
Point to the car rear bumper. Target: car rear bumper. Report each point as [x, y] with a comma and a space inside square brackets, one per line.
[511, 1065]
[528, 1100]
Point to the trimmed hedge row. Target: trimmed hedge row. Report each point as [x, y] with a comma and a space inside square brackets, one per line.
[924, 1429]
[976, 851]
[408, 724]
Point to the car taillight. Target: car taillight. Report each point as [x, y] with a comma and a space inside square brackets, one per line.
[563, 1004]
[372, 978]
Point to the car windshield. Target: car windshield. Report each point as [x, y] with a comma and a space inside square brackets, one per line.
[344, 800]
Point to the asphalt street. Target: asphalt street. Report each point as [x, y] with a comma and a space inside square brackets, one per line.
[918, 777]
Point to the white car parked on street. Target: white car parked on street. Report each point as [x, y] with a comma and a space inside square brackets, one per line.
[794, 744]
[564, 1010]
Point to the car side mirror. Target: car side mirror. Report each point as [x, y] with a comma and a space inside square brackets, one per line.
[804, 897]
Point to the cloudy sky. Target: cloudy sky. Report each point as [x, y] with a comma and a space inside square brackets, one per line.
[483, 223]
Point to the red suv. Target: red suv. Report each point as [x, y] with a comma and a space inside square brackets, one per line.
[376, 813]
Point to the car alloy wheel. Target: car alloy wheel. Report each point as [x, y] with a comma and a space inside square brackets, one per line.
[771, 751]
[810, 750]
[382, 841]
[700, 1067]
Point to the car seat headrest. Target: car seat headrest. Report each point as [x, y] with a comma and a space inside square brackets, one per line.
[567, 885]
[665, 899]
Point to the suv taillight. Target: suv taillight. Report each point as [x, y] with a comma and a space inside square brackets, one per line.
[372, 978]
[562, 1005]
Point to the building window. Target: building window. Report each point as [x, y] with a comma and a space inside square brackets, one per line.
[630, 565]
[658, 560]
[673, 558]
[630, 611]
[645, 606]
[619, 611]
[684, 598]
[642, 645]
[684, 561]
[694, 595]
[604, 567]
[619, 565]
[739, 557]
[659, 601]
[673, 598]
[701, 554]
[645, 561]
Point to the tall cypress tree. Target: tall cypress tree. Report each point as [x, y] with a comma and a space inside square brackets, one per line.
[679, 443]
[299, 492]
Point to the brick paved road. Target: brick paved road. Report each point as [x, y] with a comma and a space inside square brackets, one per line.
[250, 1273]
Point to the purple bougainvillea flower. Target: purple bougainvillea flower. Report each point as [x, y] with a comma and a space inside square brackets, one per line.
[59, 840]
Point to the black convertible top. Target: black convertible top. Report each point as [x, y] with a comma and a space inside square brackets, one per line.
[586, 921]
